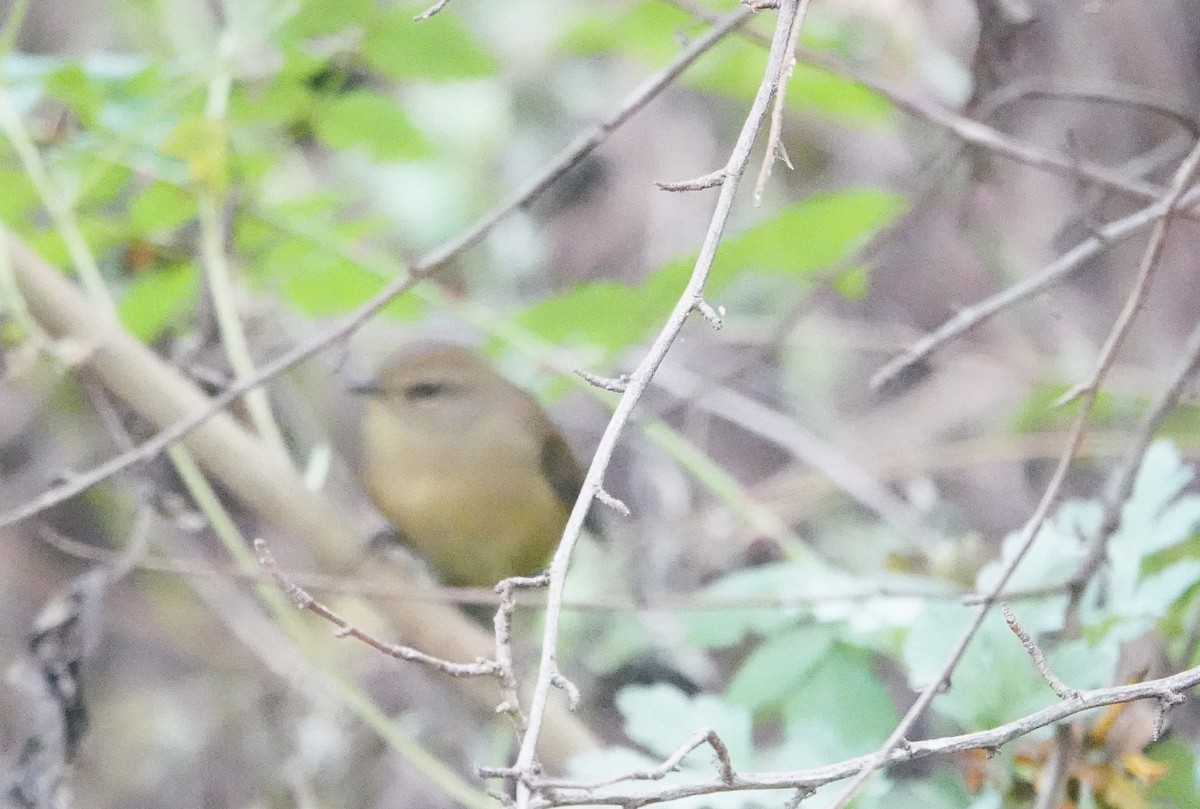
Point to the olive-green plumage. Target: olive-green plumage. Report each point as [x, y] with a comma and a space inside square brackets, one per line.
[466, 465]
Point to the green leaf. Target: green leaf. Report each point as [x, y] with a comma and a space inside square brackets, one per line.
[371, 120]
[154, 299]
[808, 236]
[726, 626]
[661, 717]
[317, 17]
[320, 285]
[779, 665]
[161, 207]
[651, 32]
[19, 197]
[71, 85]
[440, 48]
[200, 142]
[852, 284]
[840, 709]
[603, 313]
[799, 241]
[1180, 786]
[994, 682]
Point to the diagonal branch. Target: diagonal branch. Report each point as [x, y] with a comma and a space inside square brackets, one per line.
[636, 386]
[1053, 273]
[583, 145]
[1179, 183]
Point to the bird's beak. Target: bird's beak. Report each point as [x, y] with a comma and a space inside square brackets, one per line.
[366, 387]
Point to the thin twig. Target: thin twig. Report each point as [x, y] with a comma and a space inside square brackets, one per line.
[1054, 273]
[1166, 688]
[431, 11]
[1039, 659]
[669, 765]
[966, 130]
[1150, 262]
[774, 148]
[1111, 93]
[1052, 780]
[418, 271]
[710, 180]
[1050, 496]
[1122, 483]
[639, 380]
[502, 628]
[304, 601]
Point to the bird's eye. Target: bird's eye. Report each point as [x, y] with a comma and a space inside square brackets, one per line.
[424, 390]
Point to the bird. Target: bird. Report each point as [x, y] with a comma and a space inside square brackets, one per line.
[466, 466]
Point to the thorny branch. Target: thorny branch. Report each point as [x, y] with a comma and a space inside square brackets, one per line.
[692, 295]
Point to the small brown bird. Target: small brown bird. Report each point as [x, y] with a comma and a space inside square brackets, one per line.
[465, 465]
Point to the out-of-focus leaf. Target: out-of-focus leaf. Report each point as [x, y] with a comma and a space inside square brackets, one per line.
[316, 17]
[652, 31]
[439, 48]
[71, 85]
[19, 197]
[726, 626]
[154, 299]
[161, 207]
[101, 234]
[319, 285]
[799, 241]
[1181, 784]
[807, 236]
[200, 142]
[661, 717]
[852, 284]
[840, 708]
[603, 313]
[995, 680]
[371, 120]
[778, 665]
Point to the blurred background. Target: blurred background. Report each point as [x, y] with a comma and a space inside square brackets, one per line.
[319, 147]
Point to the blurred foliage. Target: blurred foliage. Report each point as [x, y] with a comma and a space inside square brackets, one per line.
[813, 667]
[132, 143]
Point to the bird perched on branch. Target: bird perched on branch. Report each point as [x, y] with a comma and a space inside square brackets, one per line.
[466, 466]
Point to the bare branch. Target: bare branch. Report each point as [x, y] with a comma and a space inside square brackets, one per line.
[1150, 261]
[1167, 688]
[707, 736]
[615, 384]
[1053, 273]
[638, 382]
[1033, 527]
[710, 180]
[304, 601]
[432, 10]
[774, 150]
[1122, 484]
[967, 130]
[1039, 659]
[713, 316]
[616, 504]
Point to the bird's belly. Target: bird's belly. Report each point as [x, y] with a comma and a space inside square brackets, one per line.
[475, 526]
